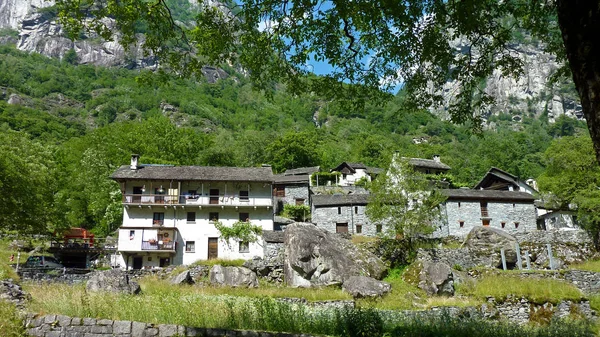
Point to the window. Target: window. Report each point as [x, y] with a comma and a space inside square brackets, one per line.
[191, 216]
[244, 217]
[516, 224]
[459, 204]
[244, 196]
[503, 224]
[158, 219]
[244, 247]
[378, 228]
[461, 224]
[358, 229]
[355, 209]
[190, 246]
[339, 210]
[213, 216]
[131, 235]
[299, 202]
[279, 191]
[341, 227]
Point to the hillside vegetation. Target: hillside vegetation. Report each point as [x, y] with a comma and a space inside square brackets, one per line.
[68, 127]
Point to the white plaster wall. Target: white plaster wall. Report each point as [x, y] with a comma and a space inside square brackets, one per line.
[351, 179]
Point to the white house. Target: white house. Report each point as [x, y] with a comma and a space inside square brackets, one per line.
[170, 211]
[499, 180]
[353, 172]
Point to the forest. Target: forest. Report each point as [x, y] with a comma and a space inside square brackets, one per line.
[67, 127]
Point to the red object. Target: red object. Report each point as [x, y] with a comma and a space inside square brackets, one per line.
[79, 233]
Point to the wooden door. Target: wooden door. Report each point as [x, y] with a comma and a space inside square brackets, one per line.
[137, 262]
[213, 248]
[214, 196]
[486, 222]
[137, 190]
[341, 227]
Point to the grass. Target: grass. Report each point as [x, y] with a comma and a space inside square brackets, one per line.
[404, 296]
[359, 239]
[6, 271]
[222, 262]
[536, 290]
[11, 324]
[457, 301]
[591, 265]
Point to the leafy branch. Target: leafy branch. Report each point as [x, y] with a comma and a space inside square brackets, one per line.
[240, 231]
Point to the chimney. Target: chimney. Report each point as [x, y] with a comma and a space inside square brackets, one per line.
[436, 158]
[134, 161]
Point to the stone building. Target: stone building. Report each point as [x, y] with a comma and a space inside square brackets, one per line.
[343, 214]
[507, 210]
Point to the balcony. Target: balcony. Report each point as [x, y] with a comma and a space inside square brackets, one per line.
[158, 245]
[177, 200]
[484, 212]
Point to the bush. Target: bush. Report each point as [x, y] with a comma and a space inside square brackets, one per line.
[296, 212]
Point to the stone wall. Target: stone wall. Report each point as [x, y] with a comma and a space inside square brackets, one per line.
[68, 276]
[327, 217]
[64, 326]
[295, 192]
[469, 213]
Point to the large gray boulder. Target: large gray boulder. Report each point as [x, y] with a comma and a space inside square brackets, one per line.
[114, 280]
[436, 278]
[489, 241]
[315, 257]
[363, 286]
[232, 276]
[183, 278]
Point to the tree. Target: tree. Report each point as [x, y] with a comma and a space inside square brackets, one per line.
[572, 180]
[371, 46]
[404, 201]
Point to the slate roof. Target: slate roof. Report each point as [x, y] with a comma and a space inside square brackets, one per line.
[353, 167]
[374, 170]
[202, 173]
[428, 163]
[325, 200]
[496, 173]
[468, 194]
[295, 179]
[302, 171]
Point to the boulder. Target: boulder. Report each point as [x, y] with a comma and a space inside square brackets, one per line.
[436, 278]
[315, 257]
[363, 286]
[183, 278]
[232, 276]
[489, 241]
[114, 280]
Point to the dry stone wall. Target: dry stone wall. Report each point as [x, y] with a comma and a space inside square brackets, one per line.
[65, 326]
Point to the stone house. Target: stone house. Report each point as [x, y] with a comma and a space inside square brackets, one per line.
[169, 212]
[293, 187]
[343, 214]
[507, 210]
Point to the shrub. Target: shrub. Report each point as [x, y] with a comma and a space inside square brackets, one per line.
[296, 212]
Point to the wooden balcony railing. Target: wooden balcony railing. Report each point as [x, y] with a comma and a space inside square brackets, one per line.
[227, 200]
[484, 212]
[158, 245]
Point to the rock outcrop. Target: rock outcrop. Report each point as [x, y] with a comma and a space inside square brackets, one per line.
[363, 286]
[489, 241]
[12, 292]
[437, 278]
[183, 278]
[315, 257]
[232, 277]
[114, 280]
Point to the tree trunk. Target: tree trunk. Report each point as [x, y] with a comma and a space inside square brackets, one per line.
[579, 22]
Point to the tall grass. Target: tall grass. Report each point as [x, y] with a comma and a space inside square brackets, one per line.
[536, 290]
[11, 324]
[404, 296]
[590, 265]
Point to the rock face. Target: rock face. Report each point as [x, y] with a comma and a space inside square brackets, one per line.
[363, 286]
[113, 280]
[437, 278]
[13, 11]
[530, 93]
[233, 277]
[183, 278]
[315, 257]
[489, 241]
